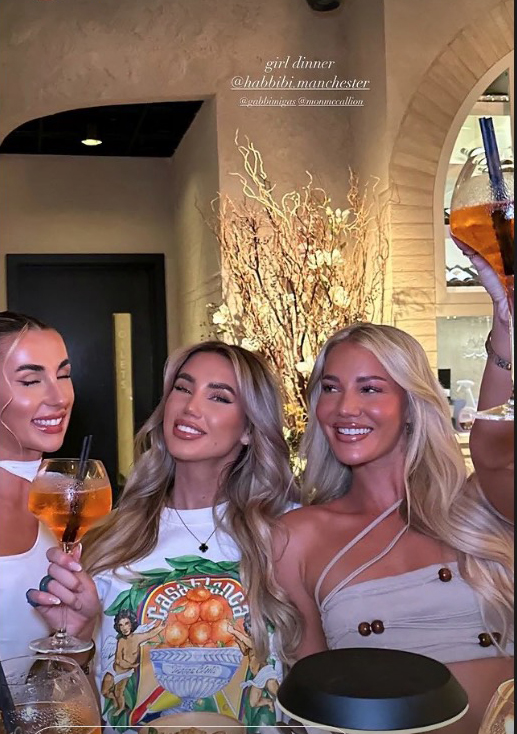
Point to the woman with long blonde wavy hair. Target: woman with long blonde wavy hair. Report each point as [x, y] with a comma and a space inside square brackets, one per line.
[418, 556]
[183, 565]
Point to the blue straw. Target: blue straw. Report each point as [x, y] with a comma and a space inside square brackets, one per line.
[492, 158]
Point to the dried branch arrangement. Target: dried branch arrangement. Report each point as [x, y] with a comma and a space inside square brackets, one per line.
[295, 270]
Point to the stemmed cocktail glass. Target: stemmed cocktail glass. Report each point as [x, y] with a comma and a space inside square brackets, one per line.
[482, 216]
[69, 496]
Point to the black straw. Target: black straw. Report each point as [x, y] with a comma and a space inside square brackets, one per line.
[500, 222]
[7, 707]
[76, 505]
[493, 160]
[83, 460]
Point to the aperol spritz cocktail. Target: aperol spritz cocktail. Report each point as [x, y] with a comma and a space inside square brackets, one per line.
[53, 497]
[482, 217]
[69, 497]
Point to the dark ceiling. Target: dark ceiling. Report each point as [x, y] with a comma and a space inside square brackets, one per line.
[151, 130]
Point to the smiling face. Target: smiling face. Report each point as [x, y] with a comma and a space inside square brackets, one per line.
[36, 388]
[204, 418]
[361, 409]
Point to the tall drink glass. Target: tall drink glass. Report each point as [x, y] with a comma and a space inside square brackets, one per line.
[52, 695]
[69, 507]
[483, 218]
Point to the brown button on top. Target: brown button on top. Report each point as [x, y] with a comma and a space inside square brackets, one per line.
[445, 574]
[365, 629]
[377, 627]
[485, 640]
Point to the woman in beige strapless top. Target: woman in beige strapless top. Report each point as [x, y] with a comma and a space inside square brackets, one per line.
[400, 547]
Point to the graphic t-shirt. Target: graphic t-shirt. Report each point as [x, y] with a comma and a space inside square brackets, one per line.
[175, 642]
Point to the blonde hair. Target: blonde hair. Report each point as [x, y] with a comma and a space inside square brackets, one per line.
[258, 487]
[442, 502]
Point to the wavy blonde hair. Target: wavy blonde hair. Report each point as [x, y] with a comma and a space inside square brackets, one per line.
[442, 502]
[258, 487]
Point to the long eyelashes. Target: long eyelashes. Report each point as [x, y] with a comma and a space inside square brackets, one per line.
[366, 389]
[28, 383]
[215, 398]
[222, 399]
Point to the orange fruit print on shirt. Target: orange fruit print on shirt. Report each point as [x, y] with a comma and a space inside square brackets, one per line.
[200, 619]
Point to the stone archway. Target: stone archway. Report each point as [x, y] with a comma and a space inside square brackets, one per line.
[415, 163]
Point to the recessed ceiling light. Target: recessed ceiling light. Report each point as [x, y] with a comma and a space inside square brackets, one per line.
[91, 138]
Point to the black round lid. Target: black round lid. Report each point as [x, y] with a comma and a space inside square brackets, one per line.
[372, 690]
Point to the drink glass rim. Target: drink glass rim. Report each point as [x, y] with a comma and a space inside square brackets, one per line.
[72, 665]
[42, 656]
[95, 464]
[68, 458]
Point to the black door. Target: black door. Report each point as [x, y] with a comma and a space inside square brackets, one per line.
[77, 294]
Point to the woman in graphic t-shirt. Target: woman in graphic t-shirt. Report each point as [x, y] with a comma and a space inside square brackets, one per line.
[36, 398]
[183, 566]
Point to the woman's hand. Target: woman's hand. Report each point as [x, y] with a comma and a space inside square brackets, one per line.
[488, 277]
[67, 584]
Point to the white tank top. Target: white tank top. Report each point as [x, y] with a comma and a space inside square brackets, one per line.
[19, 622]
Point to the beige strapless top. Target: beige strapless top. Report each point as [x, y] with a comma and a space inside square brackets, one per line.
[432, 611]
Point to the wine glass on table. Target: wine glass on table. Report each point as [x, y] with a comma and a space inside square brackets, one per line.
[48, 694]
[499, 717]
[69, 496]
[482, 216]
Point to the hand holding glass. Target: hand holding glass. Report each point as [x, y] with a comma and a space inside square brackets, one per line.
[483, 218]
[69, 506]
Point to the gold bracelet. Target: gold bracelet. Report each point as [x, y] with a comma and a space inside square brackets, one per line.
[499, 361]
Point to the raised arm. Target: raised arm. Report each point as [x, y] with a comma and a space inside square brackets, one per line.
[290, 548]
[491, 442]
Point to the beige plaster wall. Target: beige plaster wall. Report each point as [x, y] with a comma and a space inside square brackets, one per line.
[62, 55]
[364, 41]
[76, 53]
[194, 251]
[66, 204]
[416, 34]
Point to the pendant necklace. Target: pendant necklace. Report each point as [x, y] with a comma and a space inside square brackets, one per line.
[203, 545]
